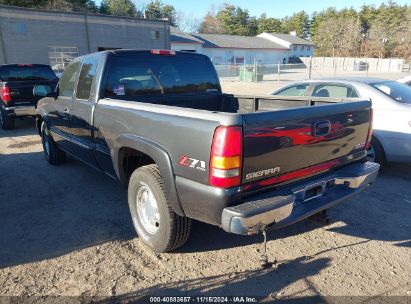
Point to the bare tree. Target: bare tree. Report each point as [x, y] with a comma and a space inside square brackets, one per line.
[187, 23]
[59, 5]
[340, 36]
[329, 37]
[403, 41]
[351, 36]
[211, 24]
[380, 40]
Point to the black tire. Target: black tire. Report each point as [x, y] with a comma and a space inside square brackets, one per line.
[53, 154]
[172, 230]
[6, 122]
[378, 152]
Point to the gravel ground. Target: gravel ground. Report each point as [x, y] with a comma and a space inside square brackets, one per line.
[66, 231]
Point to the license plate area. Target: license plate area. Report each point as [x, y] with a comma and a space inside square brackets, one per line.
[313, 191]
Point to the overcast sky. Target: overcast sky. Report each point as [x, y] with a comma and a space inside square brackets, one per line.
[273, 8]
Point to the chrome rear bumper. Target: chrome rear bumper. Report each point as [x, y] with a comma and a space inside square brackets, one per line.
[21, 111]
[283, 207]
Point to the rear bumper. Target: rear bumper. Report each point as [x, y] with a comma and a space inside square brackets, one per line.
[21, 111]
[283, 207]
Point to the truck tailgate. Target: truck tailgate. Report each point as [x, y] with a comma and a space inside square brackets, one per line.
[284, 141]
[22, 92]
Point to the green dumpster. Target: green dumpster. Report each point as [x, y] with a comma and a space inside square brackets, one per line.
[248, 74]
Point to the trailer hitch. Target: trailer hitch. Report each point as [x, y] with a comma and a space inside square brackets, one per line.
[322, 218]
[264, 257]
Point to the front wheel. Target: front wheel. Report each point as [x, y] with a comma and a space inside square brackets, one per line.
[54, 155]
[158, 226]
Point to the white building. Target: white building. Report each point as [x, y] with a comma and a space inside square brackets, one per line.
[298, 47]
[266, 48]
[182, 41]
[232, 49]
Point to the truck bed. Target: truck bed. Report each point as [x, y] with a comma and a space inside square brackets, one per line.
[277, 130]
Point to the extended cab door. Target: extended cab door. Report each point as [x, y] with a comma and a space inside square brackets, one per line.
[81, 112]
[59, 115]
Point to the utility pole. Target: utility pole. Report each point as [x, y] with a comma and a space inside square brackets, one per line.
[3, 48]
[310, 64]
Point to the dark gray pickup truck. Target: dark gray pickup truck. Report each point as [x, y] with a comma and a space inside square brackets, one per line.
[158, 122]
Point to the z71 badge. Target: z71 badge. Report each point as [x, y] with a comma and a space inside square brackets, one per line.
[192, 163]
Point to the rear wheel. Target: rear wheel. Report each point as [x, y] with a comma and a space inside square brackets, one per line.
[6, 122]
[375, 152]
[54, 155]
[154, 221]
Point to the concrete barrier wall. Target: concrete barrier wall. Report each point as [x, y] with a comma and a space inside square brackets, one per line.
[355, 64]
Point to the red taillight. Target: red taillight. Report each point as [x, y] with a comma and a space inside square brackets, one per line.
[163, 52]
[225, 160]
[5, 94]
[369, 136]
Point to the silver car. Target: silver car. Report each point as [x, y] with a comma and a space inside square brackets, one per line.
[406, 80]
[391, 101]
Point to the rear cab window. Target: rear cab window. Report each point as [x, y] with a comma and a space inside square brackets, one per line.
[141, 74]
[26, 72]
[334, 91]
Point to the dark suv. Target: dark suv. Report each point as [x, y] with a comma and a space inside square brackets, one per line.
[16, 87]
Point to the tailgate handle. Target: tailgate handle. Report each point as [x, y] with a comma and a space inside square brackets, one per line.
[321, 128]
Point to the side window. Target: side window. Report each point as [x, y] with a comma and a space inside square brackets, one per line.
[295, 90]
[88, 70]
[68, 79]
[335, 91]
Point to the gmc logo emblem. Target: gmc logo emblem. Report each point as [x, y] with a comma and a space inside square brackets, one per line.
[190, 162]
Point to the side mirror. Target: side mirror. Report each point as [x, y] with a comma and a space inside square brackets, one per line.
[42, 90]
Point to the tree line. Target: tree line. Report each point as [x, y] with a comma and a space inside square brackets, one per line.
[370, 31]
[383, 31]
[155, 9]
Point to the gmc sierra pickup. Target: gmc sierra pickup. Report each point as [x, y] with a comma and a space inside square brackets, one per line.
[16, 86]
[158, 122]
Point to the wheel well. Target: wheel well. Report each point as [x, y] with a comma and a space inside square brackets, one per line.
[381, 146]
[131, 159]
[39, 121]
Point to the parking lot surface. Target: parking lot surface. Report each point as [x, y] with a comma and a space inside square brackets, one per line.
[66, 230]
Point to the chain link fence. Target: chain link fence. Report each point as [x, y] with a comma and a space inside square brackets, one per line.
[258, 72]
[315, 67]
